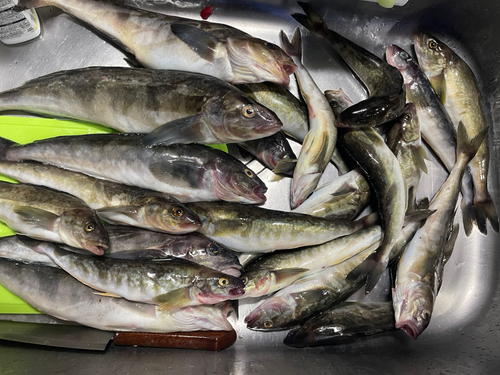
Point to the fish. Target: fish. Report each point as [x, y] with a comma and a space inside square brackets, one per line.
[405, 142]
[245, 228]
[383, 82]
[456, 86]
[169, 283]
[319, 143]
[341, 199]
[14, 248]
[172, 106]
[436, 126]
[54, 292]
[342, 324]
[383, 172]
[419, 269]
[278, 270]
[186, 172]
[115, 203]
[160, 41]
[134, 243]
[50, 215]
[274, 152]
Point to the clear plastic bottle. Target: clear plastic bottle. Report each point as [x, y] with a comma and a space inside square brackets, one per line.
[17, 27]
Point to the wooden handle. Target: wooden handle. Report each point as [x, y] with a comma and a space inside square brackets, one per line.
[202, 340]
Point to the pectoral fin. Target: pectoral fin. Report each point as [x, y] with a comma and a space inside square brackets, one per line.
[201, 42]
[288, 275]
[36, 217]
[419, 155]
[184, 130]
[175, 299]
[285, 166]
[109, 213]
[182, 174]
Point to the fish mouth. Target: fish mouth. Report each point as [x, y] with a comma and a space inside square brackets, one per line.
[239, 291]
[259, 192]
[390, 52]
[409, 329]
[97, 249]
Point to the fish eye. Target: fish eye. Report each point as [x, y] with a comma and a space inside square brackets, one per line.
[223, 281]
[268, 324]
[177, 211]
[270, 46]
[89, 227]
[248, 111]
[432, 44]
[244, 279]
[248, 172]
[425, 315]
[404, 55]
[407, 117]
[213, 249]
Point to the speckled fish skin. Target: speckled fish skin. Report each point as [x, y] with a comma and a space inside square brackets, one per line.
[456, 86]
[56, 293]
[383, 83]
[187, 172]
[280, 269]
[134, 243]
[115, 203]
[435, 124]
[320, 141]
[343, 324]
[159, 41]
[341, 199]
[245, 228]
[53, 216]
[417, 277]
[143, 100]
[405, 142]
[148, 282]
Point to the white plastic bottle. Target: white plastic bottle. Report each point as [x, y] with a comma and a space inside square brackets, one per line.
[17, 27]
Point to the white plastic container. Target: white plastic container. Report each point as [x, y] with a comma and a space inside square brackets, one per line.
[17, 27]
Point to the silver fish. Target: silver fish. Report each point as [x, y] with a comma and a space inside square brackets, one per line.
[160, 41]
[53, 216]
[13, 248]
[187, 172]
[56, 293]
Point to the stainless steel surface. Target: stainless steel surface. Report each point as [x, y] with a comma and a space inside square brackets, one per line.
[465, 328]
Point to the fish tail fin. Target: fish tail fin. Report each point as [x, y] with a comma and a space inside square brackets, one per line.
[293, 48]
[311, 20]
[467, 146]
[469, 214]
[485, 210]
[369, 220]
[371, 268]
[5, 144]
[30, 4]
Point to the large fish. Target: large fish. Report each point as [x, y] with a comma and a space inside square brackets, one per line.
[435, 124]
[115, 203]
[247, 228]
[171, 283]
[177, 107]
[55, 292]
[187, 172]
[342, 324]
[52, 216]
[160, 41]
[456, 86]
[319, 143]
[133, 243]
[383, 83]
[420, 267]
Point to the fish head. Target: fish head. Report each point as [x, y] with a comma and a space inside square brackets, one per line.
[413, 304]
[213, 287]
[257, 282]
[211, 254]
[81, 228]
[433, 55]
[203, 317]
[274, 314]
[410, 124]
[255, 60]
[338, 100]
[235, 182]
[171, 217]
[236, 116]
[398, 58]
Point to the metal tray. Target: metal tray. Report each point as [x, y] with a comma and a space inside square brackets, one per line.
[465, 329]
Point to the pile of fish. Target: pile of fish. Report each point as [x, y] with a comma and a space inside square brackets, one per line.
[152, 230]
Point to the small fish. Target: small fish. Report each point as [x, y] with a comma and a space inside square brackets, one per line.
[341, 199]
[245, 228]
[133, 243]
[342, 324]
[383, 82]
[115, 203]
[420, 267]
[319, 143]
[54, 292]
[455, 84]
[159, 41]
[170, 283]
[186, 172]
[173, 106]
[52, 216]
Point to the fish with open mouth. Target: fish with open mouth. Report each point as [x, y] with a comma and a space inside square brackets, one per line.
[160, 41]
